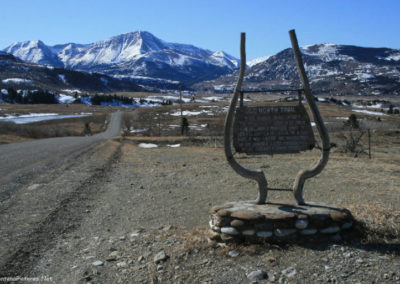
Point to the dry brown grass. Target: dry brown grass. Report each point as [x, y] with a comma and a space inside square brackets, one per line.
[11, 132]
[377, 223]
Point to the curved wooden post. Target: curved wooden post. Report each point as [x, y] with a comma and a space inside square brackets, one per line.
[323, 133]
[255, 175]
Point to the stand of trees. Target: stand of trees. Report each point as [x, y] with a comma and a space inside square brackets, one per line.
[29, 97]
[98, 99]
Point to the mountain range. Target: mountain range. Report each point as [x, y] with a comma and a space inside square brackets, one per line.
[137, 55]
[332, 70]
[151, 62]
[28, 76]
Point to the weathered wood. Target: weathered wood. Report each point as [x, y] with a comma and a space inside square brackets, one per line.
[272, 130]
[319, 166]
[257, 175]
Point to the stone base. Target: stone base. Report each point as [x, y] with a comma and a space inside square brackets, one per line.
[277, 221]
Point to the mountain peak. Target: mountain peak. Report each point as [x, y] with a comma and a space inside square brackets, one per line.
[138, 53]
[33, 51]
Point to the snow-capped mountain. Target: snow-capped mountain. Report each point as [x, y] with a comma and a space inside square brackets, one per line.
[132, 54]
[257, 60]
[23, 75]
[34, 51]
[332, 69]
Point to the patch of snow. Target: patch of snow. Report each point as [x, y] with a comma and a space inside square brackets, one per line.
[326, 52]
[17, 81]
[35, 117]
[258, 60]
[65, 99]
[180, 60]
[190, 113]
[214, 99]
[208, 106]
[4, 91]
[395, 57]
[147, 145]
[61, 77]
[146, 78]
[174, 145]
[165, 98]
[223, 59]
[363, 76]
[368, 112]
[72, 91]
[137, 130]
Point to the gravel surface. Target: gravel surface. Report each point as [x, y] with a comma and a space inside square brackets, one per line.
[124, 214]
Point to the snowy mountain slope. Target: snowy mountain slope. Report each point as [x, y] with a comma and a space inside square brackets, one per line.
[34, 51]
[132, 54]
[332, 69]
[22, 75]
[257, 60]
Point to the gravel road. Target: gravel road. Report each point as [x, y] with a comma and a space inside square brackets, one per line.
[118, 213]
[22, 161]
[37, 177]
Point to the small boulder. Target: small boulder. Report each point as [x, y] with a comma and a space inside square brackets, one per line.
[257, 275]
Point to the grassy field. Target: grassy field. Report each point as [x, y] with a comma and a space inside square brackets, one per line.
[89, 125]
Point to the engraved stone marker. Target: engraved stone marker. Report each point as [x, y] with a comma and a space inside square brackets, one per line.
[272, 130]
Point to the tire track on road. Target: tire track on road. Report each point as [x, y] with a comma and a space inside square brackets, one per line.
[63, 219]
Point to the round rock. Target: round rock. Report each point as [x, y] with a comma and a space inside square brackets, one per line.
[330, 230]
[257, 275]
[238, 223]
[284, 232]
[264, 234]
[98, 263]
[301, 224]
[339, 216]
[229, 231]
[223, 213]
[249, 232]
[161, 256]
[246, 215]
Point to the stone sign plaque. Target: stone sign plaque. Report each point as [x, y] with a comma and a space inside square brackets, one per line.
[272, 130]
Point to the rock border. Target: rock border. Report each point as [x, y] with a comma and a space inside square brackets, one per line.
[277, 221]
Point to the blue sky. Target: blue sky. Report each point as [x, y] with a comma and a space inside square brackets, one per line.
[211, 24]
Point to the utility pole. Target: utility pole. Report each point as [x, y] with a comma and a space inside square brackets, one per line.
[180, 100]
[369, 143]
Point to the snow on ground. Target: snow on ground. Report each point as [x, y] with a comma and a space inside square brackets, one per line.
[197, 127]
[137, 130]
[368, 112]
[326, 52]
[208, 106]
[191, 113]
[65, 99]
[217, 99]
[258, 60]
[174, 145]
[147, 145]
[35, 117]
[17, 81]
[71, 91]
[61, 77]
[165, 98]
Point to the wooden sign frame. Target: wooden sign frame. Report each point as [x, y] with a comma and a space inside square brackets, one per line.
[258, 175]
